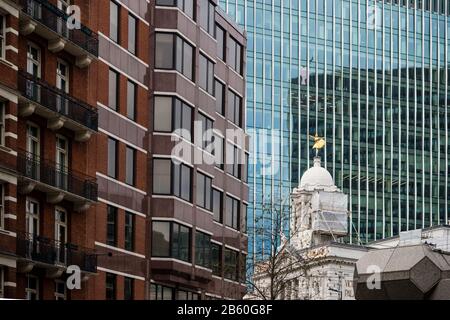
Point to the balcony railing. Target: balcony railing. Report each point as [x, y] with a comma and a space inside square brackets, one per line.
[57, 101]
[50, 173]
[48, 251]
[56, 20]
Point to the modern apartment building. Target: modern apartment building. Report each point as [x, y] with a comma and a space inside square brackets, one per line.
[83, 133]
[371, 77]
[198, 209]
[74, 119]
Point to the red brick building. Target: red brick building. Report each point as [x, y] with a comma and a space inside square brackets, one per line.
[77, 150]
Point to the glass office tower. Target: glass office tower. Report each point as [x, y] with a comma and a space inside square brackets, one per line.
[370, 76]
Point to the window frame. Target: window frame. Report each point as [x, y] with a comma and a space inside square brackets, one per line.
[207, 131]
[217, 268]
[232, 206]
[112, 277]
[178, 62]
[221, 205]
[235, 168]
[36, 62]
[221, 54]
[236, 52]
[210, 17]
[209, 85]
[2, 36]
[202, 249]
[117, 31]
[234, 108]
[2, 282]
[205, 181]
[131, 287]
[129, 236]
[116, 91]
[130, 152]
[116, 158]
[109, 223]
[173, 243]
[180, 4]
[2, 123]
[2, 205]
[131, 109]
[223, 91]
[233, 267]
[173, 178]
[185, 110]
[29, 291]
[133, 46]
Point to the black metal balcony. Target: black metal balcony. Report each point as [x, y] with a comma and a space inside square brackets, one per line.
[52, 102]
[59, 182]
[48, 252]
[56, 25]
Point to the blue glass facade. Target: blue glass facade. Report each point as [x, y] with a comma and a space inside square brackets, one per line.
[370, 76]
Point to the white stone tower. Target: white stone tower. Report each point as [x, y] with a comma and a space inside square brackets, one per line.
[319, 209]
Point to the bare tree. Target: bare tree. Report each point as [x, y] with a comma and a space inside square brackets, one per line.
[271, 276]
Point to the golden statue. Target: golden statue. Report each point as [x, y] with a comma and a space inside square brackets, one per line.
[319, 143]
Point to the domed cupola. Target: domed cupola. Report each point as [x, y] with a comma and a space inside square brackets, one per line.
[317, 178]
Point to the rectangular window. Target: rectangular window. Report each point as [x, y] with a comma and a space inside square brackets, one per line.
[2, 36]
[231, 264]
[182, 182]
[244, 168]
[162, 176]
[216, 259]
[173, 115]
[234, 108]
[129, 231]
[206, 74]
[113, 90]
[172, 179]
[242, 268]
[2, 206]
[217, 205]
[218, 152]
[243, 218]
[130, 166]
[131, 100]
[171, 240]
[235, 56]
[219, 92]
[173, 52]
[2, 283]
[233, 161]
[132, 33]
[221, 43]
[159, 292]
[114, 21]
[207, 16]
[187, 6]
[111, 226]
[232, 213]
[207, 132]
[2, 123]
[60, 290]
[202, 249]
[32, 289]
[204, 191]
[34, 60]
[112, 158]
[161, 239]
[110, 286]
[128, 290]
